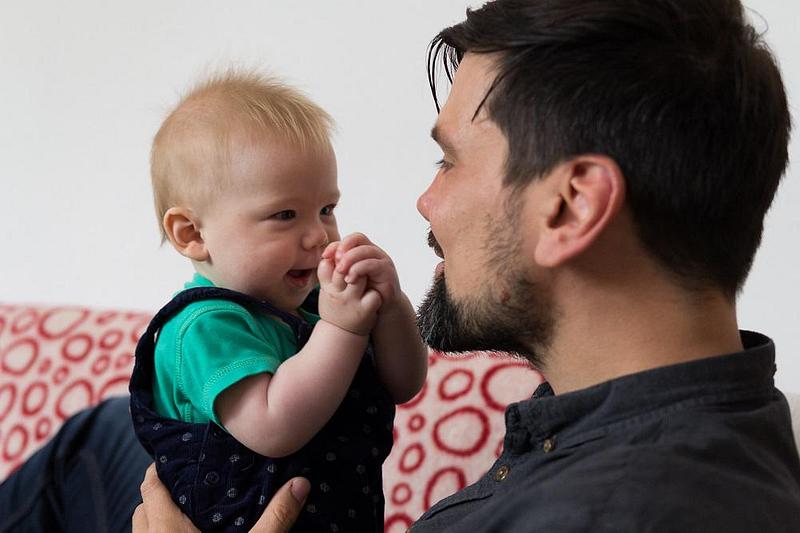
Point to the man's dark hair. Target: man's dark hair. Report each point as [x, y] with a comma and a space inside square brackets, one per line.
[683, 94]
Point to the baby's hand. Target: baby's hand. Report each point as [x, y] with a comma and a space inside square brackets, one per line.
[350, 306]
[358, 258]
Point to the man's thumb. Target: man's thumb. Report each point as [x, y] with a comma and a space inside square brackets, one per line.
[284, 508]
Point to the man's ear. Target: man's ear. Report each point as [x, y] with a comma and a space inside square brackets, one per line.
[584, 197]
[182, 227]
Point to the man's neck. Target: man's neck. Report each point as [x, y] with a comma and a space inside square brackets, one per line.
[609, 334]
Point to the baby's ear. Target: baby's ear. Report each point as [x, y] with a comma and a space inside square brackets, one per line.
[183, 230]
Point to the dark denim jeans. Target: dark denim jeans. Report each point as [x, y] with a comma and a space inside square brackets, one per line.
[86, 479]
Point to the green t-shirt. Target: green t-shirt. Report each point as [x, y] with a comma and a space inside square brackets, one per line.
[210, 345]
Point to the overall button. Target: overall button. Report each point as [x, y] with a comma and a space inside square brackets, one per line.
[212, 478]
[548, 446]
[501, 473]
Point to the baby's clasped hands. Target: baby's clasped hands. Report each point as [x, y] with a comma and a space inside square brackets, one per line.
[356, 257]
[350, 306]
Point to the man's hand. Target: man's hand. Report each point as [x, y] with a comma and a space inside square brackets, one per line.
[350, 306]
[157, 512]
[356, 257]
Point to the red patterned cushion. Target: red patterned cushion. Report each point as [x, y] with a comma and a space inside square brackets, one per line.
[451, 433]
[55, 361]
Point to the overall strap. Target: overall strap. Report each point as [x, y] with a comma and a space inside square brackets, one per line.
[146, 345]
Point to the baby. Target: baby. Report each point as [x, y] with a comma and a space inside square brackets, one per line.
[252, 374]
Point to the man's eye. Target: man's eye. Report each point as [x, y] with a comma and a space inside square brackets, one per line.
[284, 215]
[443, 165]
[328, 210]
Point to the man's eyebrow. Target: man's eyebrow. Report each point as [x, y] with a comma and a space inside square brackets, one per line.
[436, 135]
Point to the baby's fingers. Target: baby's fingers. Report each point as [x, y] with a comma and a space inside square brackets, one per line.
[337, 280]
[359, 253]
[354, 289]
[350, 242]
[375, 269]
[330, 250]
[325, 271]
[371, 301]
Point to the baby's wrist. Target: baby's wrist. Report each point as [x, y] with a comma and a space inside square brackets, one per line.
[347, 328]
[396, 306]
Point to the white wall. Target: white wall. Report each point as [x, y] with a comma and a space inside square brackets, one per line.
[84, 85]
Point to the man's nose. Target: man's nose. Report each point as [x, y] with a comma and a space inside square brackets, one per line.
[423, 203]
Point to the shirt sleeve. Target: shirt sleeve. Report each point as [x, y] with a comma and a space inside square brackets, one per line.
[219, 347]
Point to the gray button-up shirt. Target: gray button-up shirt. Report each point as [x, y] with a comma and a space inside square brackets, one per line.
[700, 446]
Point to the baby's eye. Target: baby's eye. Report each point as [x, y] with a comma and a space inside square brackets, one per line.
[285, 215]
[328, 210]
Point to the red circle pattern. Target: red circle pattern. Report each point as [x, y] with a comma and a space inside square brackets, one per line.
[42, 389]
[84, 344]
[15, 352]
[458, 422]
[57, 360]
[442, 431]
[401, 493]
[100, 364]
[8, 394]
[43, 428]
[416, 422]
[54, 361]
[436, 485]
[23, 321]
[417, 456]
[450, 388]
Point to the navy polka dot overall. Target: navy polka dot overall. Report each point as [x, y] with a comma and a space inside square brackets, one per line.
[224, 486]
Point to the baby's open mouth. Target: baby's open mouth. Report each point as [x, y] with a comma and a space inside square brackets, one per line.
[300, 277]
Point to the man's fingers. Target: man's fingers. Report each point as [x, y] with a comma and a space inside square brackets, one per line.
[150, 482]
[284, 508]
[161, 513]
[139, 520]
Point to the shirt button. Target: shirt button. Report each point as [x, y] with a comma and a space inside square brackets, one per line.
[501, 473]
[212, 478]
[548, 445]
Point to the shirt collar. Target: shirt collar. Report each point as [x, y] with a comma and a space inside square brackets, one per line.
[199, 280]
[568, 415]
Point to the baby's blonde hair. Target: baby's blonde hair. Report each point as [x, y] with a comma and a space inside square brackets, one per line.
[191, 152]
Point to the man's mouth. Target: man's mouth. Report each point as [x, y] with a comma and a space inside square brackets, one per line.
[433, 243]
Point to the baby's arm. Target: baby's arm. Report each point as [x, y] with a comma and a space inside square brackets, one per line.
[401, 357]
[276, 415]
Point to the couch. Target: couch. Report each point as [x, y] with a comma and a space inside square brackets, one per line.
[56, 360]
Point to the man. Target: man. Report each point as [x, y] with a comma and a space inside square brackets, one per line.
[607, 165]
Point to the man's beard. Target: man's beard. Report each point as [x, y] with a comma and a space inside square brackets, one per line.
[520, 321]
